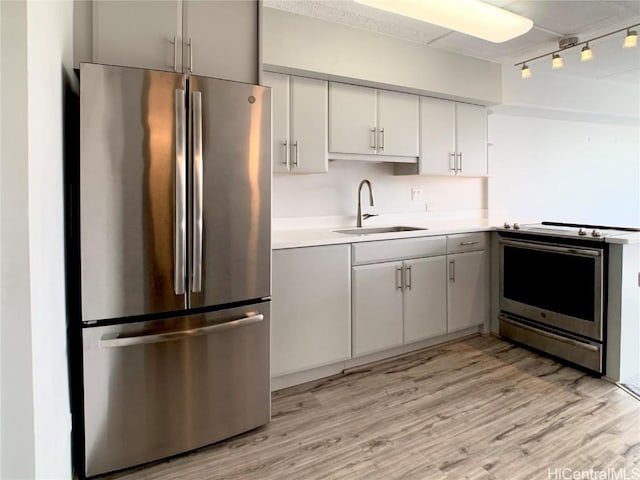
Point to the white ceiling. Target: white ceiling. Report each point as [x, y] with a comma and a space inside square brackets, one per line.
[552, 21]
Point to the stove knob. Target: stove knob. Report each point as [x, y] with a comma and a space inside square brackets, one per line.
[507, 225]
[516, 226]
[582, 232]
[595, 233]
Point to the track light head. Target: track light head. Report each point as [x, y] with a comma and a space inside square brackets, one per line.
[556, 61]
[586, 55]
[525, 71]
[631, 40]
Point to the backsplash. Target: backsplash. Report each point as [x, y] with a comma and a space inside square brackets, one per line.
[335, 193]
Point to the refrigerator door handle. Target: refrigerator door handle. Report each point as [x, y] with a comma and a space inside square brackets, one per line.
[114, 340]
[196, 284]
[180, 191]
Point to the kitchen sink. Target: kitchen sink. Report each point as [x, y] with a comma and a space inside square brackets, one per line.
[373, 230]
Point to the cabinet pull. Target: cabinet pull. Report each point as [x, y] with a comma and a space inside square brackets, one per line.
[382, 139]
[408, 281]
[452, 270]
[175, 54]
[460, 161]
[296, 161]
[469, 243]
[452, 162]
[398, 278]
[373, 138]
[286, 154]
[190, 56]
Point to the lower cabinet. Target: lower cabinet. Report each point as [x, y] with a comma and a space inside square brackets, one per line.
[468, 290]
[311, 308]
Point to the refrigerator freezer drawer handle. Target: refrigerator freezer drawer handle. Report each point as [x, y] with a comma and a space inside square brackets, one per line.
[196, 283]
[113, 340]
[180, 192]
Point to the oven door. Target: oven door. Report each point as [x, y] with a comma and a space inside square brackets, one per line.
[553, 284]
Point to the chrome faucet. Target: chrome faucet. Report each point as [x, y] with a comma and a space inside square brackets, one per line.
[366, 215]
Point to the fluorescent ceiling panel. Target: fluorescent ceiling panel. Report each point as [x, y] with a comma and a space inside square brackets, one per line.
[472, 17]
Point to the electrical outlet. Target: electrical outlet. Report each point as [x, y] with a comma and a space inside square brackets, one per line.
[416, 194]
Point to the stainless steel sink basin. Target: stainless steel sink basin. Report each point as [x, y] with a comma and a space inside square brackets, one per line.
[372, 230]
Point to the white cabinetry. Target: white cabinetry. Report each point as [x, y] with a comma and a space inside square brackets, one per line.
[366, 121]
[311, 308]
[179, 35]
[453, 138]
[299, 123]
[400, 301]
[468, 286]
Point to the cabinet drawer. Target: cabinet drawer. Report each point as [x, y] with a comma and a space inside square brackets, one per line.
[467, 242]
[388, 250]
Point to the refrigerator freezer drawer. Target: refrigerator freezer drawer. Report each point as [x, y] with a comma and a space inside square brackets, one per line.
[158, 388]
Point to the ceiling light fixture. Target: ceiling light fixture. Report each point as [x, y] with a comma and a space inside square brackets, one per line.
[567, 43]
[631, 40]
[556, 61]
[586, 55]
[472, 17]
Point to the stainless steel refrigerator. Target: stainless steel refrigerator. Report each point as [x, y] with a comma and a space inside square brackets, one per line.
[174, 250]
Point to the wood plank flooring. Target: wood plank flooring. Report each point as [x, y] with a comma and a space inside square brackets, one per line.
[480, 408]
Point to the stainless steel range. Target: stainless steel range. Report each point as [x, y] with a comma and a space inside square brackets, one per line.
[553, 288]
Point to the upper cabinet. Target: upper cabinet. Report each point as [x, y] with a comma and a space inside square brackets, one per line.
[366, 121]
[453, 138]
[299, 107]
[183, 36]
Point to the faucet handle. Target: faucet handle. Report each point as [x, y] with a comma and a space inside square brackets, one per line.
[369, 215]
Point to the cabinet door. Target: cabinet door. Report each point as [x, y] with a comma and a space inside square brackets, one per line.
[308, 125]
[310, 308]
[352, 119]
[377, 307]
[397, 124]
[224, 39]
[425, 304]
[468, 290]
[437, 137]
[138, 34]
[471, 139]
[280, 119]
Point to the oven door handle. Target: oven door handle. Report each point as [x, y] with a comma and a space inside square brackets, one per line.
[553, 248]
[553, 336]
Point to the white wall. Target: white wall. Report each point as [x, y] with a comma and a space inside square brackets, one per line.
[572, 171]
[335, 193]
[310, 45]
[36, 49]
[50, 44]
[15, 365]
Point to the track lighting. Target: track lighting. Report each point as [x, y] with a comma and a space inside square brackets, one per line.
[631, 40]
[586, 55]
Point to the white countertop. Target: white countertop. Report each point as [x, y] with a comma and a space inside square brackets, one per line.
[310, 236]
[310, 232]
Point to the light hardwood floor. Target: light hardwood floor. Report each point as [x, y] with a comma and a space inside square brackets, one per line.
[480, 408]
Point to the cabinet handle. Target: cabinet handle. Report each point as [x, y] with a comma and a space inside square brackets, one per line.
[175, 54]
[452, 270]
[190, 68]
[460, 162]
[469, 243]
[382, 139]
[296, 162]
[452, 162]
[373, 138]
[398, 278]
[408, 282]
[286, 154]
